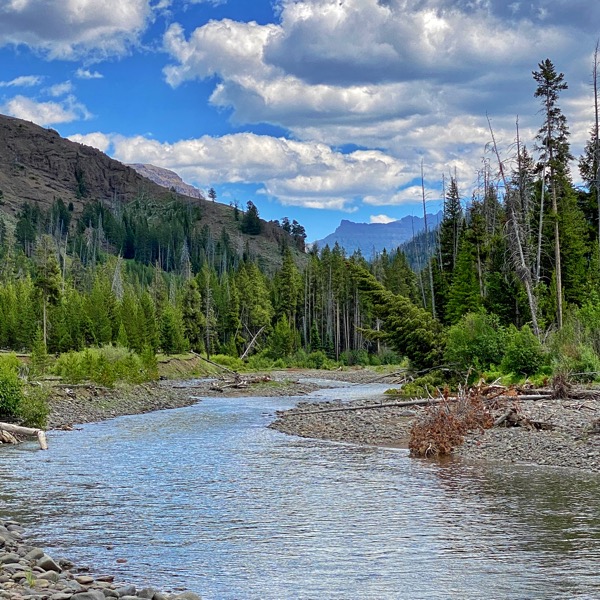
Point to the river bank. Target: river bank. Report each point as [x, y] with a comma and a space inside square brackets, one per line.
[71, 405]
[28, 573]
[572, 439]
[572, 442]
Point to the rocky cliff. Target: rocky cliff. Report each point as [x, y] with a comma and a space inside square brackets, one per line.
[168, 179]
[37, 166]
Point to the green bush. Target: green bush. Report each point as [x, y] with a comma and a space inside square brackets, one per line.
[11, 388]
[34, 409]
[259, 362]
[231, 362]
[524, 353]
[422, 387]
[580, 364]
[351, 358]
[476, 341]
[107, 365]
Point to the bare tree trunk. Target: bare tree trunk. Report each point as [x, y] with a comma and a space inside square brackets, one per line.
[521, 267]
[596, 131]
[538, 259]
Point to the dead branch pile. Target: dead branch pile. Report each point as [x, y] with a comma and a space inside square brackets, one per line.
[442, 427]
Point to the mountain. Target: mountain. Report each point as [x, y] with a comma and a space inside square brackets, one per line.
[167, 179]
[372, 238]
[38, 167]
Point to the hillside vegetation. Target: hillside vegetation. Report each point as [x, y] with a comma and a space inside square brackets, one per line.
[511, 286]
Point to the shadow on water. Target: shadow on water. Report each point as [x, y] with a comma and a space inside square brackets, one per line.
[207, 498]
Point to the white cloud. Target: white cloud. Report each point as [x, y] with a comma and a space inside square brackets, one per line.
[45, 113]
[413, 79]
[381, 219]
[100, 141]
[60, 89]
[296, 173]
[82, 73]
[68, 29]
[23, 81]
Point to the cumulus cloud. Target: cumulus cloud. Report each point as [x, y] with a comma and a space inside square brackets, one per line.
[60, 89]
[23, 81]
[296, 173]
[82, 73]
[413, 79]
[97, 140]
[68, 29]
[45, 113]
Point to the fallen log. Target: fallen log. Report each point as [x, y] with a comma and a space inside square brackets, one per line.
[418, 402]
[210, 362]
[27, 431]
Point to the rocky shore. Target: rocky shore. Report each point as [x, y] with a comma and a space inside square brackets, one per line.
[90, 403]
[28, 573]
[572, 439]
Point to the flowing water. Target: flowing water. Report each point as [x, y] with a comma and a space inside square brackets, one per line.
[207, 498]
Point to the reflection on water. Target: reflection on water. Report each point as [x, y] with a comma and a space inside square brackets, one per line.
[206, 498]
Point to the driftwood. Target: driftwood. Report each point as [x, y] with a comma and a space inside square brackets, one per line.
[239, 383]
[27, 431]
[512, 418]
[417, 402]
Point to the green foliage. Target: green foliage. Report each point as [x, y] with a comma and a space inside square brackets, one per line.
[476, 341]
[424, 386]
[352, 358]
[231, 362]
[107, 365]
[11, 387]
[39, 356]
[524, 353]
[283, 340]
[34, 410]
[410, 330]
[251, 223]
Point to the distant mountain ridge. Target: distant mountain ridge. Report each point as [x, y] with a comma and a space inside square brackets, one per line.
[167, 179]
[373, 238]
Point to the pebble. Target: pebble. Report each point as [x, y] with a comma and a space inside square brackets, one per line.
[573, 443]
[28, 573]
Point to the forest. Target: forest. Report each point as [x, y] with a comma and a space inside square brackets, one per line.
[509, 283]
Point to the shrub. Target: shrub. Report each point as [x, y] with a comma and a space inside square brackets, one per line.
[11, 388]
[260, 362]
[231, 362]
[477, 341]
[34, 409]
[422, 387]
[107, 365]
[524, 353]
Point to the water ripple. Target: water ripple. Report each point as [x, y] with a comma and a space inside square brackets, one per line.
[206, 498]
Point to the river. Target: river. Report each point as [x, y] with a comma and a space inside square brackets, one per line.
[207, 498]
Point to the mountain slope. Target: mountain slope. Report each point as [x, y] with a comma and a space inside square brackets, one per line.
[372, 238]
[167, 179]
[37, 167]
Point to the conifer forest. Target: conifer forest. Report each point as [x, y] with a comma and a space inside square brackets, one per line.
[509, 282]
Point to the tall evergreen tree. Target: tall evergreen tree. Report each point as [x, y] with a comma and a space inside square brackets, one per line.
[554, 155]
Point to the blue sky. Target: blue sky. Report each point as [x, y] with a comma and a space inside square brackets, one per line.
[319, 110]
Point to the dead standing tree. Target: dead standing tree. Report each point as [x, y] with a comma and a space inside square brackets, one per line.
[519, 254]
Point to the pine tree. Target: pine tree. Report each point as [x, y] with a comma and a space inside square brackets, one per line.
[554, 154]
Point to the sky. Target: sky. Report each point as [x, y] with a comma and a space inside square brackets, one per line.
[318, 110]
